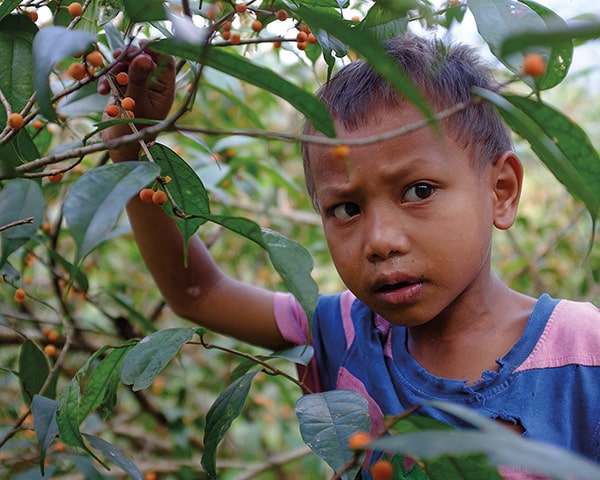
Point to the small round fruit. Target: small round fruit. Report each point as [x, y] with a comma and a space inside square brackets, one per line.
[240, 7]
[15, 121]
[312, 39]
[37, 124]
[146, 195]
[122, 78]
[94, 59]
[52, 336]
[159, 197]
[128, 103]
[75, 9]
[50, 350]
[534, 65]
[32, 14]
[20, 295]
[226, 26]
[226, 35]
[382, 470]
[235, 38]
[55, 176]
[77, 71]
[301, 37]
[112, 110]
[257, 25]
[281, 14]
[358, 440]
[302, 45]
[340, 152]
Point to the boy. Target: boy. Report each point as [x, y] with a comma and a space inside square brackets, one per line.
[408, 221]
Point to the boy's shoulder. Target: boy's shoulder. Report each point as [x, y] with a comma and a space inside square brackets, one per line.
[570, 335]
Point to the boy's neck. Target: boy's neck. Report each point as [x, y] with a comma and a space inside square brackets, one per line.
[470, 338]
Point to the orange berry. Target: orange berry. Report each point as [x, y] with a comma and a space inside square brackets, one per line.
[240, 7]
[128, 103]
[302, 45]
[59, 447]
[128, 114]
[55, 176]
[15, 121]
[358, 440]
[257, 25]
[382, 470]
[340, 152]
[112, 110]
[281, 14]
[20, 295]
[146, 195]
[159, 197]
[302, 37]
[226, 26]
[226, 35]
[355, 18]
[52, 336]
[46, 227]
[32, 14]
[150, 475]
[312, 38]
[534, 65]
[77, 71]
[50, 350]
[37, 124]
[276, 44]
[235, 38]
[122, 78]
[75, 9]
[212, 12]
[94, 59]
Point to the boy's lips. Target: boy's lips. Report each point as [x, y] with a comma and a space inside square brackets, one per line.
[397, 288]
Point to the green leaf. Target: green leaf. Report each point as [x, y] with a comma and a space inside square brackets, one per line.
[44, 422]
[50, 45]
[19, 150]
[301, 354]
[145, 10]
[115, 455]
[501, 445]
[265, 78]
[148, 358]
[33, 370]
[226, 408]
[16, 76]
[548, 132]
[367, 45]
[328, 420]
[20, 199]
[185, 187]
[67, 415]
[7, 6]
[101, 386]
[461, 467]
[294, 263]
[384, 23]
[95, 201]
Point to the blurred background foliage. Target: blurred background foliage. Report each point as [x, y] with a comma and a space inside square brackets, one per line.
[548, 250]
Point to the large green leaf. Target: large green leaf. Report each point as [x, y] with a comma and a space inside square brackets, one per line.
[7, 6]
[145, 10]
[185, 187]
[19, 150]
[328, 420]
[548, 132]
[33, 370]
[43, 411]
[95, 201]
[115, 455]
[498, 21]
[265, 78]
[16, 76]
[501, 445]
[148, 358]
[226, 408]
[19, 199]
[50, 45]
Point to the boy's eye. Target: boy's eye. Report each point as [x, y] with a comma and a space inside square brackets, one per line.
[418, 192]
[345, 210]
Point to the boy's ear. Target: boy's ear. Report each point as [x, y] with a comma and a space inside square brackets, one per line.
[507, 181]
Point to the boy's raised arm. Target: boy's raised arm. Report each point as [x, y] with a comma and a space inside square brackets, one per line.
[200, 292]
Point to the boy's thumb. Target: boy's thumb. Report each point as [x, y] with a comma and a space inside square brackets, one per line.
[140, 69]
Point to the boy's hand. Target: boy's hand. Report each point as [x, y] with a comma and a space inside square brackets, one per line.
[152, 86]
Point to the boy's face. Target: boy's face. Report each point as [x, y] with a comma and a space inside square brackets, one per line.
[408, 220]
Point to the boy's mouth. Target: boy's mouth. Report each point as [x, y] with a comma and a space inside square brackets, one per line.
[389, 284]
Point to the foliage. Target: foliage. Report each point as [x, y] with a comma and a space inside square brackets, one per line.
[228, 152]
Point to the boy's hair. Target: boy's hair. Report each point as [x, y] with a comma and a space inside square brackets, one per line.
[444, 74]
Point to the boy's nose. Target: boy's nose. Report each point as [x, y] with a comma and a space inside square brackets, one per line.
[385, 237]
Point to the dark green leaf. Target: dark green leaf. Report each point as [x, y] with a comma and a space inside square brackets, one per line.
[462, 467]
[95, 201]
[50, 45]
[265, 78]
[115, 455]
[19, 150]
[145, 10]
[148, 358]
[16, 76]
[227, 407]
[7, 6]
[301, 354]
[384, 23]
[185, 187]
[101, 386]
[33, 370]
[328, 420]
[548, 131]
[44, 422]
[19, 199]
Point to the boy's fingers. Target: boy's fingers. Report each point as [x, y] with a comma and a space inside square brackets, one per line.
[140, 69]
